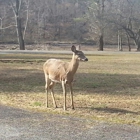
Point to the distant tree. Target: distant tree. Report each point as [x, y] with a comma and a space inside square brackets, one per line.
[16, 6]
[5, 16]
[126, 16]
[96, 20]
[132, 26]
[64, 20]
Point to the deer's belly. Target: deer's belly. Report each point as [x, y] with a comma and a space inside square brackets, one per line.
[58, 78]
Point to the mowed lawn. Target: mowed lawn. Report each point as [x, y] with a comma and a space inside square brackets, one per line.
[106, 88]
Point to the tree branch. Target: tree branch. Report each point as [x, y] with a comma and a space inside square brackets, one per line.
[27, 17]
[12, 5]
[7, 27]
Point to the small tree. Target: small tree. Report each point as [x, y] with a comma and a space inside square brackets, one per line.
[96, 20]
[16, 6]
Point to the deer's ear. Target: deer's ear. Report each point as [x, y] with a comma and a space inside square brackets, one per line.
[73, 48]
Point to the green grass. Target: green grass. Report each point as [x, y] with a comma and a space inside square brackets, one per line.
[106, 88]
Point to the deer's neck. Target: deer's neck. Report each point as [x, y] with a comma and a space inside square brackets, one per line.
[73, 65]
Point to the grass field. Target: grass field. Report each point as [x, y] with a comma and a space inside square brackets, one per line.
[106, 88]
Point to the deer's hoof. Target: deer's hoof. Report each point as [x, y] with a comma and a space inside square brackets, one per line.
[65, 109]
[72, 108]
[55, 107]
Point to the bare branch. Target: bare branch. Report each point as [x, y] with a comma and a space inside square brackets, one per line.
[27, 17]
[19, 5]
[12, 5]
[8, 27]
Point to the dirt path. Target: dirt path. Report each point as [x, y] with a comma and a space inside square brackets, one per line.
[17, 124]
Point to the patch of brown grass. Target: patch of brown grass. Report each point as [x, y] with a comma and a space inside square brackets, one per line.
[105, 88]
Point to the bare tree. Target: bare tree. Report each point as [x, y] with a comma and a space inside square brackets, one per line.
[27, 17]
[96, 20]
[132, 28]
[125, 16]
[16, 7]
[4, 17]
[129, 21]
[62, 20]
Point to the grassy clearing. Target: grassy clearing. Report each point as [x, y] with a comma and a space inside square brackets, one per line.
[107, 87]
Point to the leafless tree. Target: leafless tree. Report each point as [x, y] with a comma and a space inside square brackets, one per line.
[127, 20]
[108, 21]
[16, 6]
[96, 20]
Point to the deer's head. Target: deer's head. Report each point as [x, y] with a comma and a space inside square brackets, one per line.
[79, 55]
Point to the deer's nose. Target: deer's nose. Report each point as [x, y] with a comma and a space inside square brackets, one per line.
[86, 59]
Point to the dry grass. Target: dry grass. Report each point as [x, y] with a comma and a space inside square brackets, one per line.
[107, 87]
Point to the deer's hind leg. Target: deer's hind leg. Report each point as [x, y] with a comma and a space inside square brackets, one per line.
[48, 81]
[52, 93]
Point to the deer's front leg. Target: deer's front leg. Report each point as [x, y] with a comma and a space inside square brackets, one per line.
[64, 93]
[71, 93]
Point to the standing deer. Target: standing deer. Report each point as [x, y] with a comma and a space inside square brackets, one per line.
[56, 70]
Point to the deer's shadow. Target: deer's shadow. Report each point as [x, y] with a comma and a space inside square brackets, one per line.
[113, 110]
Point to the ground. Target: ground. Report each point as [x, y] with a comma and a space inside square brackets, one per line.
[106, 96]
[23, 125]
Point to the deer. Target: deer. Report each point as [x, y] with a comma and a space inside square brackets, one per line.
[58, 71]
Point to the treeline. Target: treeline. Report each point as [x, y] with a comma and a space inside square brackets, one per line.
[91, 21]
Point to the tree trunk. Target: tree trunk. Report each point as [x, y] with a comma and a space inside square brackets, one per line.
[101, 43]
[138, 46]
[138, 40]
[101, 37]
[16, 10]
[119, 42]
[19, 34]
[129, 46]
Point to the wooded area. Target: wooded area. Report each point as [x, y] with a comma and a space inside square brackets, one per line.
[92, 22]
